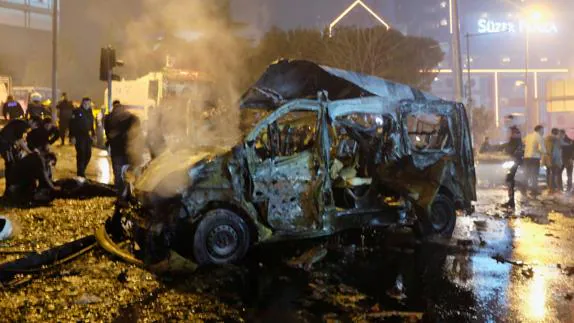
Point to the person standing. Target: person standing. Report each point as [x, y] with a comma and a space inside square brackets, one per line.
[122, 130]
[553, 160]
[65, 110]
[12, 109]
[567, 156]
[514, 148]
[82, 133]
[35, 107]
[533, 151]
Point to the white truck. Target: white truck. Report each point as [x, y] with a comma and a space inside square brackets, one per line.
[5, 87]
[151, 90]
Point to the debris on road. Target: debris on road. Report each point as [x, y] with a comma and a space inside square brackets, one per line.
[88, 299]
[308, 258]
[528, 272]
[500, 259]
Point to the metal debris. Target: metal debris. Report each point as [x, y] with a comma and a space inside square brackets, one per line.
[308, 258]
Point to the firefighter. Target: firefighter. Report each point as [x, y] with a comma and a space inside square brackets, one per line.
[12, 109]
[515, 148]
[82, 133]
[122, 128]
[65, 110]
[35, 107]
[12, 143]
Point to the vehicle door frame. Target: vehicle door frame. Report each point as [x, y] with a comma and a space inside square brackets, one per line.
[321, 167]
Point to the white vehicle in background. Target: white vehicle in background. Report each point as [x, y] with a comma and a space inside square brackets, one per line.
[151, 90]
[5, 88]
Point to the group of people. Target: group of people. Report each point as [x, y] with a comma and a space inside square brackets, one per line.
[26, 139]
[555, 152]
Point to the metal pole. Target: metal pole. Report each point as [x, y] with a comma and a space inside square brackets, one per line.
[110, 107]
[54, 58]
[456, 55]
[469, 85]
[529, 118]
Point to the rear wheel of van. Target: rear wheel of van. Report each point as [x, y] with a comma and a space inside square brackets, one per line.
[441, 220]
[221, 237]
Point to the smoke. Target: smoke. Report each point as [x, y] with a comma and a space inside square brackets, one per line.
[197, 36]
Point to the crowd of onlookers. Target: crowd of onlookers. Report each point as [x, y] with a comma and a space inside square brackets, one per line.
[555, 152]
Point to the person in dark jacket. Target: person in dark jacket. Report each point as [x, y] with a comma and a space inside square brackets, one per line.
[514, 148]
[35, 108]
[43, 134]
[65, 110]
[82, 133]
[122, 128]
[32, 179]
[11, 144]
[12, 109]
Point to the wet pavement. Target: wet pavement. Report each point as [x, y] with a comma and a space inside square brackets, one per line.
[516, 267]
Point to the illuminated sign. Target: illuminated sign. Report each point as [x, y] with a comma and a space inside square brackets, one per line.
[493, 26]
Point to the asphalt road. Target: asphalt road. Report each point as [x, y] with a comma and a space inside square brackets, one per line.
[515, 267]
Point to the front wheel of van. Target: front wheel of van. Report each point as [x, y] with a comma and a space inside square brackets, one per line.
[441, 220]
[221, 237]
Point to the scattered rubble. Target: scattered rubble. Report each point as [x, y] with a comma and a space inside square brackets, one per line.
[308, 258]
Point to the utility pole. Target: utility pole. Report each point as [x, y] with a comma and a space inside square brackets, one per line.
[468, 81]
[55, 17]
[456, 55]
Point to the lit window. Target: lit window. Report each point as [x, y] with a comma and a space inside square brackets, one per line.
[443, 22]
[544, 59]
[443, 4]
[506, 59]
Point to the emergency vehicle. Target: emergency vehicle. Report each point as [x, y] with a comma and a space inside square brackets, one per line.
[149, 91]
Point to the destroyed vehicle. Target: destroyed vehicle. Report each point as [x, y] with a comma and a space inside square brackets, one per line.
[323, 150]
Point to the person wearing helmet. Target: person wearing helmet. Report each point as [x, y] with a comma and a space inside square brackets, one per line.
[35, 107]
[12, 109]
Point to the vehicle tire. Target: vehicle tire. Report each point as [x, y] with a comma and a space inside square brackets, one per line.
[221, 237]
[441, 220]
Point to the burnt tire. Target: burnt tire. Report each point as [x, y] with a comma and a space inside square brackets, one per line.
[441, 220]
[221, 237]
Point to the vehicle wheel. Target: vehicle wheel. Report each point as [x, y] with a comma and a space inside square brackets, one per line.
[441, 220]
[221, 237]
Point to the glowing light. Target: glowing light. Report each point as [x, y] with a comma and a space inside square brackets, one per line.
[450, 15]
[502, 70]
[506, 59]
[544, 59]
[496, 110]
[350, 8]
[104, 170]
[537, 296]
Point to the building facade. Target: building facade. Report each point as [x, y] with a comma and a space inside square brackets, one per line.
[25, 30]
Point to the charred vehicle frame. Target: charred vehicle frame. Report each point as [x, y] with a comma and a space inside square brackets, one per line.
[310, 164]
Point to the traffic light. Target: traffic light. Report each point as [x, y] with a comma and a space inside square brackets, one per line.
[107, 62]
